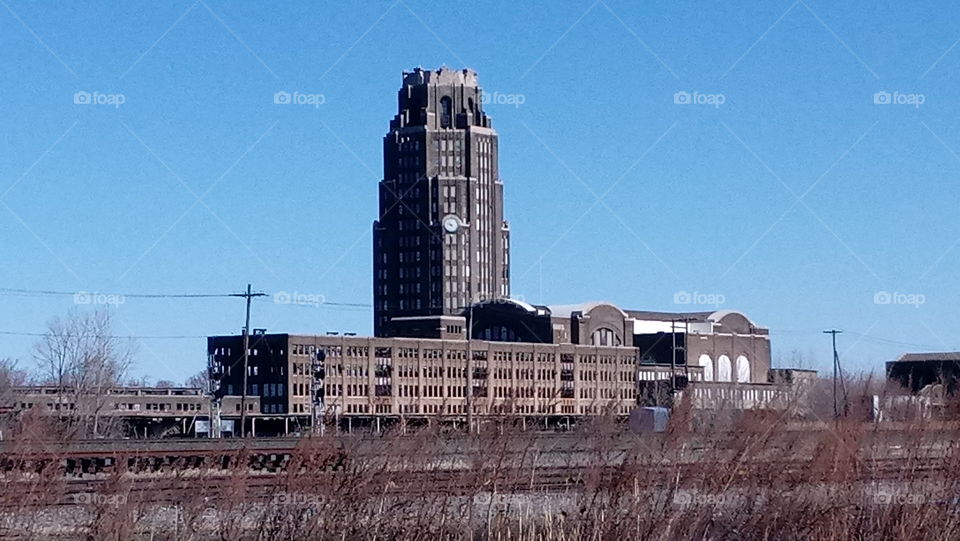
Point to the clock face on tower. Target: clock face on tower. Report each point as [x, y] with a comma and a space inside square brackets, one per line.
[451, 223]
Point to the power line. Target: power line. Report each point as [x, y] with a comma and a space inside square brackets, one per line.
[896, 343]
[19, 292]
[870, 338]
[44, 292]
[353, 306]
[120, 337]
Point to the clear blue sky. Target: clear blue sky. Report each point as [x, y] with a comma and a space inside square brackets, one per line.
[797, 200]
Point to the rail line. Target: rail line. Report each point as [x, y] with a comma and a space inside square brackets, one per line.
[237, 486]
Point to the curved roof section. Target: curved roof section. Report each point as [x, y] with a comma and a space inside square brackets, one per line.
[720, 314]
[520, 304]
[646, 315]
[716, 316]
[567, 310]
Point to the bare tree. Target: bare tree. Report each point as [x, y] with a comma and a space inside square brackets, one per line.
[164, 384]
[10, 376]
[198, 381]
[81, 357]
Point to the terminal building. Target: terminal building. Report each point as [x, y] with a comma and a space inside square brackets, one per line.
[523, 361]
[448, 338]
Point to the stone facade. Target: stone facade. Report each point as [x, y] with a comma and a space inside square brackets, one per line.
[393, 377]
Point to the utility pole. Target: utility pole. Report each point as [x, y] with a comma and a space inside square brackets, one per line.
[836, 369]
[472, 299]
[246, 354]
[673, 355]
[470, 368]
[317, 391]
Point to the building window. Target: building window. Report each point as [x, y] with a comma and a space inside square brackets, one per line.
[604, 337]
[445, 108]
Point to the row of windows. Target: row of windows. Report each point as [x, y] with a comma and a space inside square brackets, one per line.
[444, 144]
[269, 389]
[346, 351]
[410, 162]
[126, 406]
[607, 394]
[362, 352]
[409, 241]
[499, 391]
[408, 143]
[254, 370]
[353, 389]
[274, 408]
[461, 409]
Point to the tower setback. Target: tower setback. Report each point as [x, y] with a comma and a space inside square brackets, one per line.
[441, 241]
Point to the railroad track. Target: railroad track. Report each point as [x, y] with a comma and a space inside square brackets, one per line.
[282, 488]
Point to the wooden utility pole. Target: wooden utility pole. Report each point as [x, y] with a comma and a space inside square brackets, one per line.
[836, 369]
[469, 397]
[246, 354]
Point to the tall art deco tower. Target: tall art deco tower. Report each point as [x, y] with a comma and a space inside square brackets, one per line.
[441, 241]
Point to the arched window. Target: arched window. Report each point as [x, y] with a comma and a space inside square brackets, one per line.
[446, 105]
[724, 373]
[743, 370]
[707, 363]
[604, 337]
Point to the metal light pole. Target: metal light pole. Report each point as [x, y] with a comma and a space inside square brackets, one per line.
[214, 383]
[318, 374]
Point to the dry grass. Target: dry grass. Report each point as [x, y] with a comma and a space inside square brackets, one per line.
[760, 479]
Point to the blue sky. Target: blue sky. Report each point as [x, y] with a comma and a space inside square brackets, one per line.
[792, 191]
